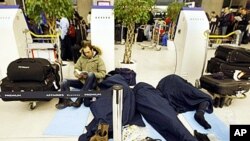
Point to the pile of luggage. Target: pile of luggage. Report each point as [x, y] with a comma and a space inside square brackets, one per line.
[31, 74]
[229, 76]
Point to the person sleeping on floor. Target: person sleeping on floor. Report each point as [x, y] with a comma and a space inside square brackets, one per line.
[159, 106]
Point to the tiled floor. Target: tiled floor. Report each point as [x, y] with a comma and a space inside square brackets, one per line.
[18, 123]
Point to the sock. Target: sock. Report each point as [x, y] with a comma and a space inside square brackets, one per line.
[199, 115]
[200, 136]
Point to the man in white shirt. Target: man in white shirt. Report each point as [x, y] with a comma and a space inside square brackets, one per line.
[64, 26]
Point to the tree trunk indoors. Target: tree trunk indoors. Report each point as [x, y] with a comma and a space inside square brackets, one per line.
[129, 43]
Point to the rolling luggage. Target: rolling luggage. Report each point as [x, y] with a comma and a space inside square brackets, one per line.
[229, 70]
[224, 90]
[31, 74]
[233, 54]
[29, 69]
[215, 65]
[9, 86]
[226, 86]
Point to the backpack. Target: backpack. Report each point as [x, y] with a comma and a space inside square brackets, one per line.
[128, 74]
[72, 31]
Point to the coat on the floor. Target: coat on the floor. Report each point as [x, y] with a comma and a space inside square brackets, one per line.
[102, 107]
[160, 114]
[183, 96]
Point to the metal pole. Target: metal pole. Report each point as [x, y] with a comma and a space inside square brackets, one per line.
[117, 112]
[238, 34]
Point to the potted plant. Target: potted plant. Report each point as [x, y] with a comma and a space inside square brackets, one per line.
[173, 11]
[130, 12]
[50, 10]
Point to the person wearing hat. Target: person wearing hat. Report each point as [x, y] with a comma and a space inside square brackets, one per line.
[89, 70]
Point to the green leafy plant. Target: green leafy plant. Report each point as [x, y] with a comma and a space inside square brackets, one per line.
[173, 11]
[131, 12]
[51, 9]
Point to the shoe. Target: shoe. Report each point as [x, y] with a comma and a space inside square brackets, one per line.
[77, 103]
[63, 103]
[222, 102]
[216, 102]
[102, 133]
[86, 102]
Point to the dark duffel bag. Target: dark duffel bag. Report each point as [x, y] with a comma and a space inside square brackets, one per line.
[128, 74]
[233, 54]
[29, 69]
[26, 86]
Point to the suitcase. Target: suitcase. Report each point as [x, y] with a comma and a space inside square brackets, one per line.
[215, 65]
[29, 69]
[233, 54]
[225, 86]
[9, 86]
[229, 70]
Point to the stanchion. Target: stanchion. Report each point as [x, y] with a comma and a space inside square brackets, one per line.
[117, 112]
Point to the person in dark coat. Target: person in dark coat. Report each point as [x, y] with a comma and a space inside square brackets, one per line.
[225, 21]
[173, 95]
[242, 26]
[102, 107]
[183, 97]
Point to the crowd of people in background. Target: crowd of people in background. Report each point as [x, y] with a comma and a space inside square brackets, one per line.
[229, 20]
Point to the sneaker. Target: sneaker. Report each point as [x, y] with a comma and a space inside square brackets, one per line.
[64, 103]
[61, 106]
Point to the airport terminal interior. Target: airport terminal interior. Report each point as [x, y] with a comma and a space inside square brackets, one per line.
[186, 55]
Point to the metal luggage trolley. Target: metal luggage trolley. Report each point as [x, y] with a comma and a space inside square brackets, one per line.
[44, 46]
[159, 28]
[213, 41]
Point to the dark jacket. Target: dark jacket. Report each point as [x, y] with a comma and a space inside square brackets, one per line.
[182, 95]
[102, 107]
[160, 114]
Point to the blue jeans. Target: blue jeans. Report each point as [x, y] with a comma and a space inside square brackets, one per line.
[90, 83]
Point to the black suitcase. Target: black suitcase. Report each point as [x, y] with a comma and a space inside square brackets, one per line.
[9, 86]
[214, 65]
[225, 86]
[229, 70]
[233, 54]
[29, 69]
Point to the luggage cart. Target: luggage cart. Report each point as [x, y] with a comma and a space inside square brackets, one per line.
[229, 39]
[222, 96]
[44, 46]
[159, 29]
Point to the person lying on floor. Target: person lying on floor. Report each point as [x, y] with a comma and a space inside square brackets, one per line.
[102, 107]
[173, 95]
[89, 70]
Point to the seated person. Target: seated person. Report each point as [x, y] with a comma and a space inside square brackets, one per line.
[89, 70]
